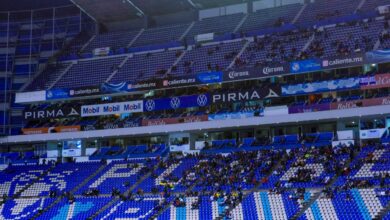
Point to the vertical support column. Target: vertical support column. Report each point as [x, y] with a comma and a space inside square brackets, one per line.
[6, 76]
[80, 22]
[31, 30]
[53, 32]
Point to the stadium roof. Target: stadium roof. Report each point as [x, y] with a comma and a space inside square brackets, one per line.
[118, 10]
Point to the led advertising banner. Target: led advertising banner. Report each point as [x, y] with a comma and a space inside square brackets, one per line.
[324, 86]
[190, 101]
[375, 82]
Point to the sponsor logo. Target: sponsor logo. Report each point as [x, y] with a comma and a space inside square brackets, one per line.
[202, 100]
[386, 101]
[90, 110]
[156, 122]
[192, 119]
[378, 81]
[271, 70]
[89, 128]
[141, 85]
[84, 92]
[347, 105]
[113, 108]
[111, 126]
[132, 107]
[271, 94]
[150, 105]
[234, 75]
[51, 113]
[345, 61]
[35, 130]
[243, 96]
[210, 77]
[178, 82]
[131, 124]
[175, 102]
[305, 66]
[57, 94]
[296, 67]
[67, 129]
[49, 94]
[382, 80]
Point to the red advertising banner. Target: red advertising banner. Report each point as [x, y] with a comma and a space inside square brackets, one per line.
[360, 103]
[59, 129]
[379, 81]
[166, 121]
[35, 130]
[376, 101]
[346, 105]
[67, 128]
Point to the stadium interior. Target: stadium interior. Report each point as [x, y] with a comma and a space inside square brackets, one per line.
[195, 109]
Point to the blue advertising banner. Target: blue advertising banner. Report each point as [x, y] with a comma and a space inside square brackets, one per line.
[210, 77]
[305, 66]
[191, 80]
[57, 94]
[128, 86]
[70, 93]
[325, 86]
[378, 56]
[177, 102]
[232, 115]
[114, 88]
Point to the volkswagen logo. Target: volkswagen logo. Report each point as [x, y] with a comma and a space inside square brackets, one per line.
[149, 105]
[175, 102]
[202, 100]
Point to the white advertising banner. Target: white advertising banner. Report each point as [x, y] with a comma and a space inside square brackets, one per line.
[384, 9]
[345, 135]
[103, 51]
[26, 97]
[204, 37]
[71, 152]
[343, 142]
[276, 110]
[52, 153]
[179, 148]
[112, 108]
[199, 145]
[90, 151]
[372, 133]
